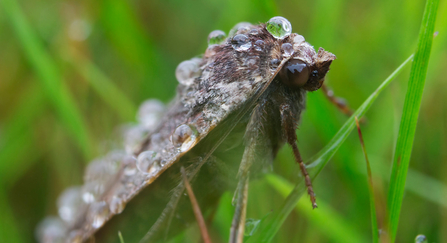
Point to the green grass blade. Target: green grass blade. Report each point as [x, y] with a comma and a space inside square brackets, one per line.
[375, 229]
[410, 116]
[327, 220]
[271, 227]
[49, 76]
[105, 88]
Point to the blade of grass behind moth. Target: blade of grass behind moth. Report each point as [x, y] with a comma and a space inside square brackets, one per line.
[328, 221]
[105, 87]
[375, 231]
[49, 76]
[196, 208]
[10, 229]
[410, 115]
[269, 228]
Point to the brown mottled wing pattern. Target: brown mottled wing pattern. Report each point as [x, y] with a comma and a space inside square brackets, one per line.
[228, 80]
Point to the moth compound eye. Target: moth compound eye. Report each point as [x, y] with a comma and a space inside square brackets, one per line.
[295, 73]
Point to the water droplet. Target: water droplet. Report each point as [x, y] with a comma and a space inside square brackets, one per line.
[216, 37]
[131, 168]
[51, 230]
[75, 236]
[150, 112]
[274, 63]
[253, 32]
[279, 27]
[240, 27]
[241, 42]
[99, 213]
[259, 45]
[133, 137]
[298, 39]
[69, 203]
[148, 162]
[251, 225]
[184, 137]
[91, 191]
[187, 71]
[420, 239]
[117, 205]
[287, 49]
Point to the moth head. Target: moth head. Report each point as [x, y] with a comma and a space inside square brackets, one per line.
[306, 72]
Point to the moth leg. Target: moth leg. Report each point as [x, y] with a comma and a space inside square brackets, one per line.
[238, 223]
[168, 212]
[196, 208]
[340, 103]
[289, 126]
[241, 195]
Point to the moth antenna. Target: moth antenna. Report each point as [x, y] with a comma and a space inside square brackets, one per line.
[289, 126]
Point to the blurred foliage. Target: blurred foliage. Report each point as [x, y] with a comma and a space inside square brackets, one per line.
[94, 61]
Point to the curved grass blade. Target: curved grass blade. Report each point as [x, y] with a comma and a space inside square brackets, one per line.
[329, 222]
[270, 227]
[410, 115]
[57, 93]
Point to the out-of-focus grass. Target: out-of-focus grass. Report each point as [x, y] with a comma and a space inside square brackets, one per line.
[410, 116]
[137, 44]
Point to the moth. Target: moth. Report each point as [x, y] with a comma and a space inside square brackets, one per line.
[235, 107]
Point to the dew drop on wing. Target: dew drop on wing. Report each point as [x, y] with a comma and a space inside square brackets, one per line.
[240, 27]
[148, 162]
[240, 42]
[91, 191]
[69, 204]
[259, 45]
[117, 204]
[99, 212]
[287, 49]
[184, 137]
[187, 71]
[216, 37]
[52, 230]
[150, 112]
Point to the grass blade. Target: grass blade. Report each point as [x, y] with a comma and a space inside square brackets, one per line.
[375, 230]
[47, 71]
[271, 227]
[328, 221]
[49, 75]
[410, 116]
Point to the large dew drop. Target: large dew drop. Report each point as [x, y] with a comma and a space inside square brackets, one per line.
[184, 137]
[148, 162]
[216, 37]
[91, 191]
[99, 213]
[150, 113]
[241, 42]
[69, 203]
[279, 27]
[187, 71]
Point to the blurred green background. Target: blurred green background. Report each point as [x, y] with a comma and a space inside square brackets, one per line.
[76, 70]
